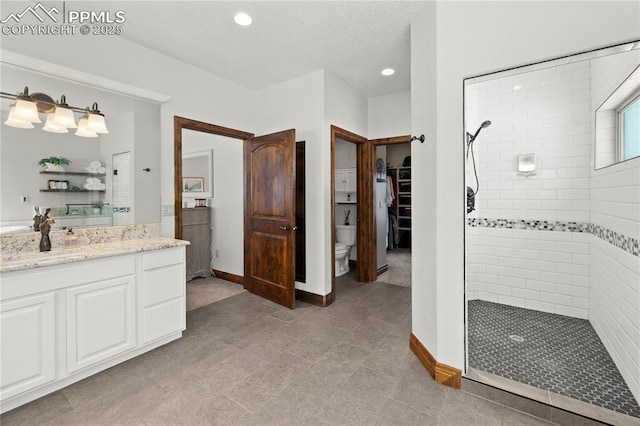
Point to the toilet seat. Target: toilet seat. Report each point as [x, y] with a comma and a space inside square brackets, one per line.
[340, 246]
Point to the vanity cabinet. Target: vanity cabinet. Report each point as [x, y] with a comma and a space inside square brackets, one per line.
[65, 322]
[196, 228]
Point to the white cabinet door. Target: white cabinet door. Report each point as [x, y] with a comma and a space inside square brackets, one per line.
[340, 181]
[101, 321]
[350, 180]
[28, 343]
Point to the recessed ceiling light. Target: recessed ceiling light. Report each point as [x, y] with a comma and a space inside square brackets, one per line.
[243, 19]
[388, 71]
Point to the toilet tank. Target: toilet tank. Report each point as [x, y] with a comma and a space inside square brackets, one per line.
[346, 234]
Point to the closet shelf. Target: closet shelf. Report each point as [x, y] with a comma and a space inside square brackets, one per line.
[45, 172]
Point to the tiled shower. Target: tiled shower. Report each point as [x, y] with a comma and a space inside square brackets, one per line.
[562, 239]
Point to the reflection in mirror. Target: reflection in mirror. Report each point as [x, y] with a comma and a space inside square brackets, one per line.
[199, 140]
[197, 173]
[118, 194]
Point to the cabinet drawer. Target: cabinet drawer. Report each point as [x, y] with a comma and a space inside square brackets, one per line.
[163, 284]
[162, 258]
[163, 319]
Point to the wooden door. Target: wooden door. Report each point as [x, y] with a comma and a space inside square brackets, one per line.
[269, 214]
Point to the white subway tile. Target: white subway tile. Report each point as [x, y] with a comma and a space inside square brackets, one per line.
[512, 282]
[527, 274]
[555, 298]
[571, 290]
[543, 245]
[500, 270]
[540, 306]
[525, 294]
[498, 289]
[572, 312]
[556, 277]
[512, 301]
[541, 286]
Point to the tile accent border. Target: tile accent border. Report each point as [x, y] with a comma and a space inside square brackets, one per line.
[629, 244]
[441, 373]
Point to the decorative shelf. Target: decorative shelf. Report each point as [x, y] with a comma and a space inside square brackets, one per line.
[45, 172]
[71, 190]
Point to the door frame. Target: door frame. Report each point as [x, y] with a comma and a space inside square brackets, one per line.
[364, 168]
[366, 269]
[395, 140]
[180, 123]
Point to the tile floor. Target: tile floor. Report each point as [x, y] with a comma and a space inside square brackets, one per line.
[399, 272]
[204, 291]
[245, 360]
[552, 352]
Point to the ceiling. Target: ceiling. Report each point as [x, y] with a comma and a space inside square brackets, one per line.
[353, 40]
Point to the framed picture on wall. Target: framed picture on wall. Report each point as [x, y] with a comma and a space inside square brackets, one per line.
[192, 184]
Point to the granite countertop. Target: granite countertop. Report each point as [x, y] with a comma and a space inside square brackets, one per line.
[59, 256]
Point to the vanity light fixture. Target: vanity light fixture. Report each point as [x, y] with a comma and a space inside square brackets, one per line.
[52, 127]
[12, 121]
[64, 115]
[60, 115]
[83, 127]
[96, 122]
[243, 19]
[388, 71]
[26, 108]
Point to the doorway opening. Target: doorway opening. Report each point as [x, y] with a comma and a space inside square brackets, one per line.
[392, 210]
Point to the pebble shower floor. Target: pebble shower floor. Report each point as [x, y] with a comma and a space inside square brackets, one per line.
[554, 352]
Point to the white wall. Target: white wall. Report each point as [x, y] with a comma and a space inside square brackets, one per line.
[486, 37]
[346, 108]
[390, 115]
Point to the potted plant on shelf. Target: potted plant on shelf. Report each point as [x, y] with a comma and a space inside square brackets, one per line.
[54, 164]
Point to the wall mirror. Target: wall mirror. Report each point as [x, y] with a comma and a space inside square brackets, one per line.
[134, 129]
[197, 174]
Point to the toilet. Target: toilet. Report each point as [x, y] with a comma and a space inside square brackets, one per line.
[345, 240]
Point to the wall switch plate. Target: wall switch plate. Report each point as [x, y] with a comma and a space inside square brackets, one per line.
[168, 210]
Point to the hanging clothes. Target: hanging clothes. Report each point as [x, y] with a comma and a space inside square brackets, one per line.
[391, 196]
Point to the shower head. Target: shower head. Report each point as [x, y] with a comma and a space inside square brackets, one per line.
[471, 138]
